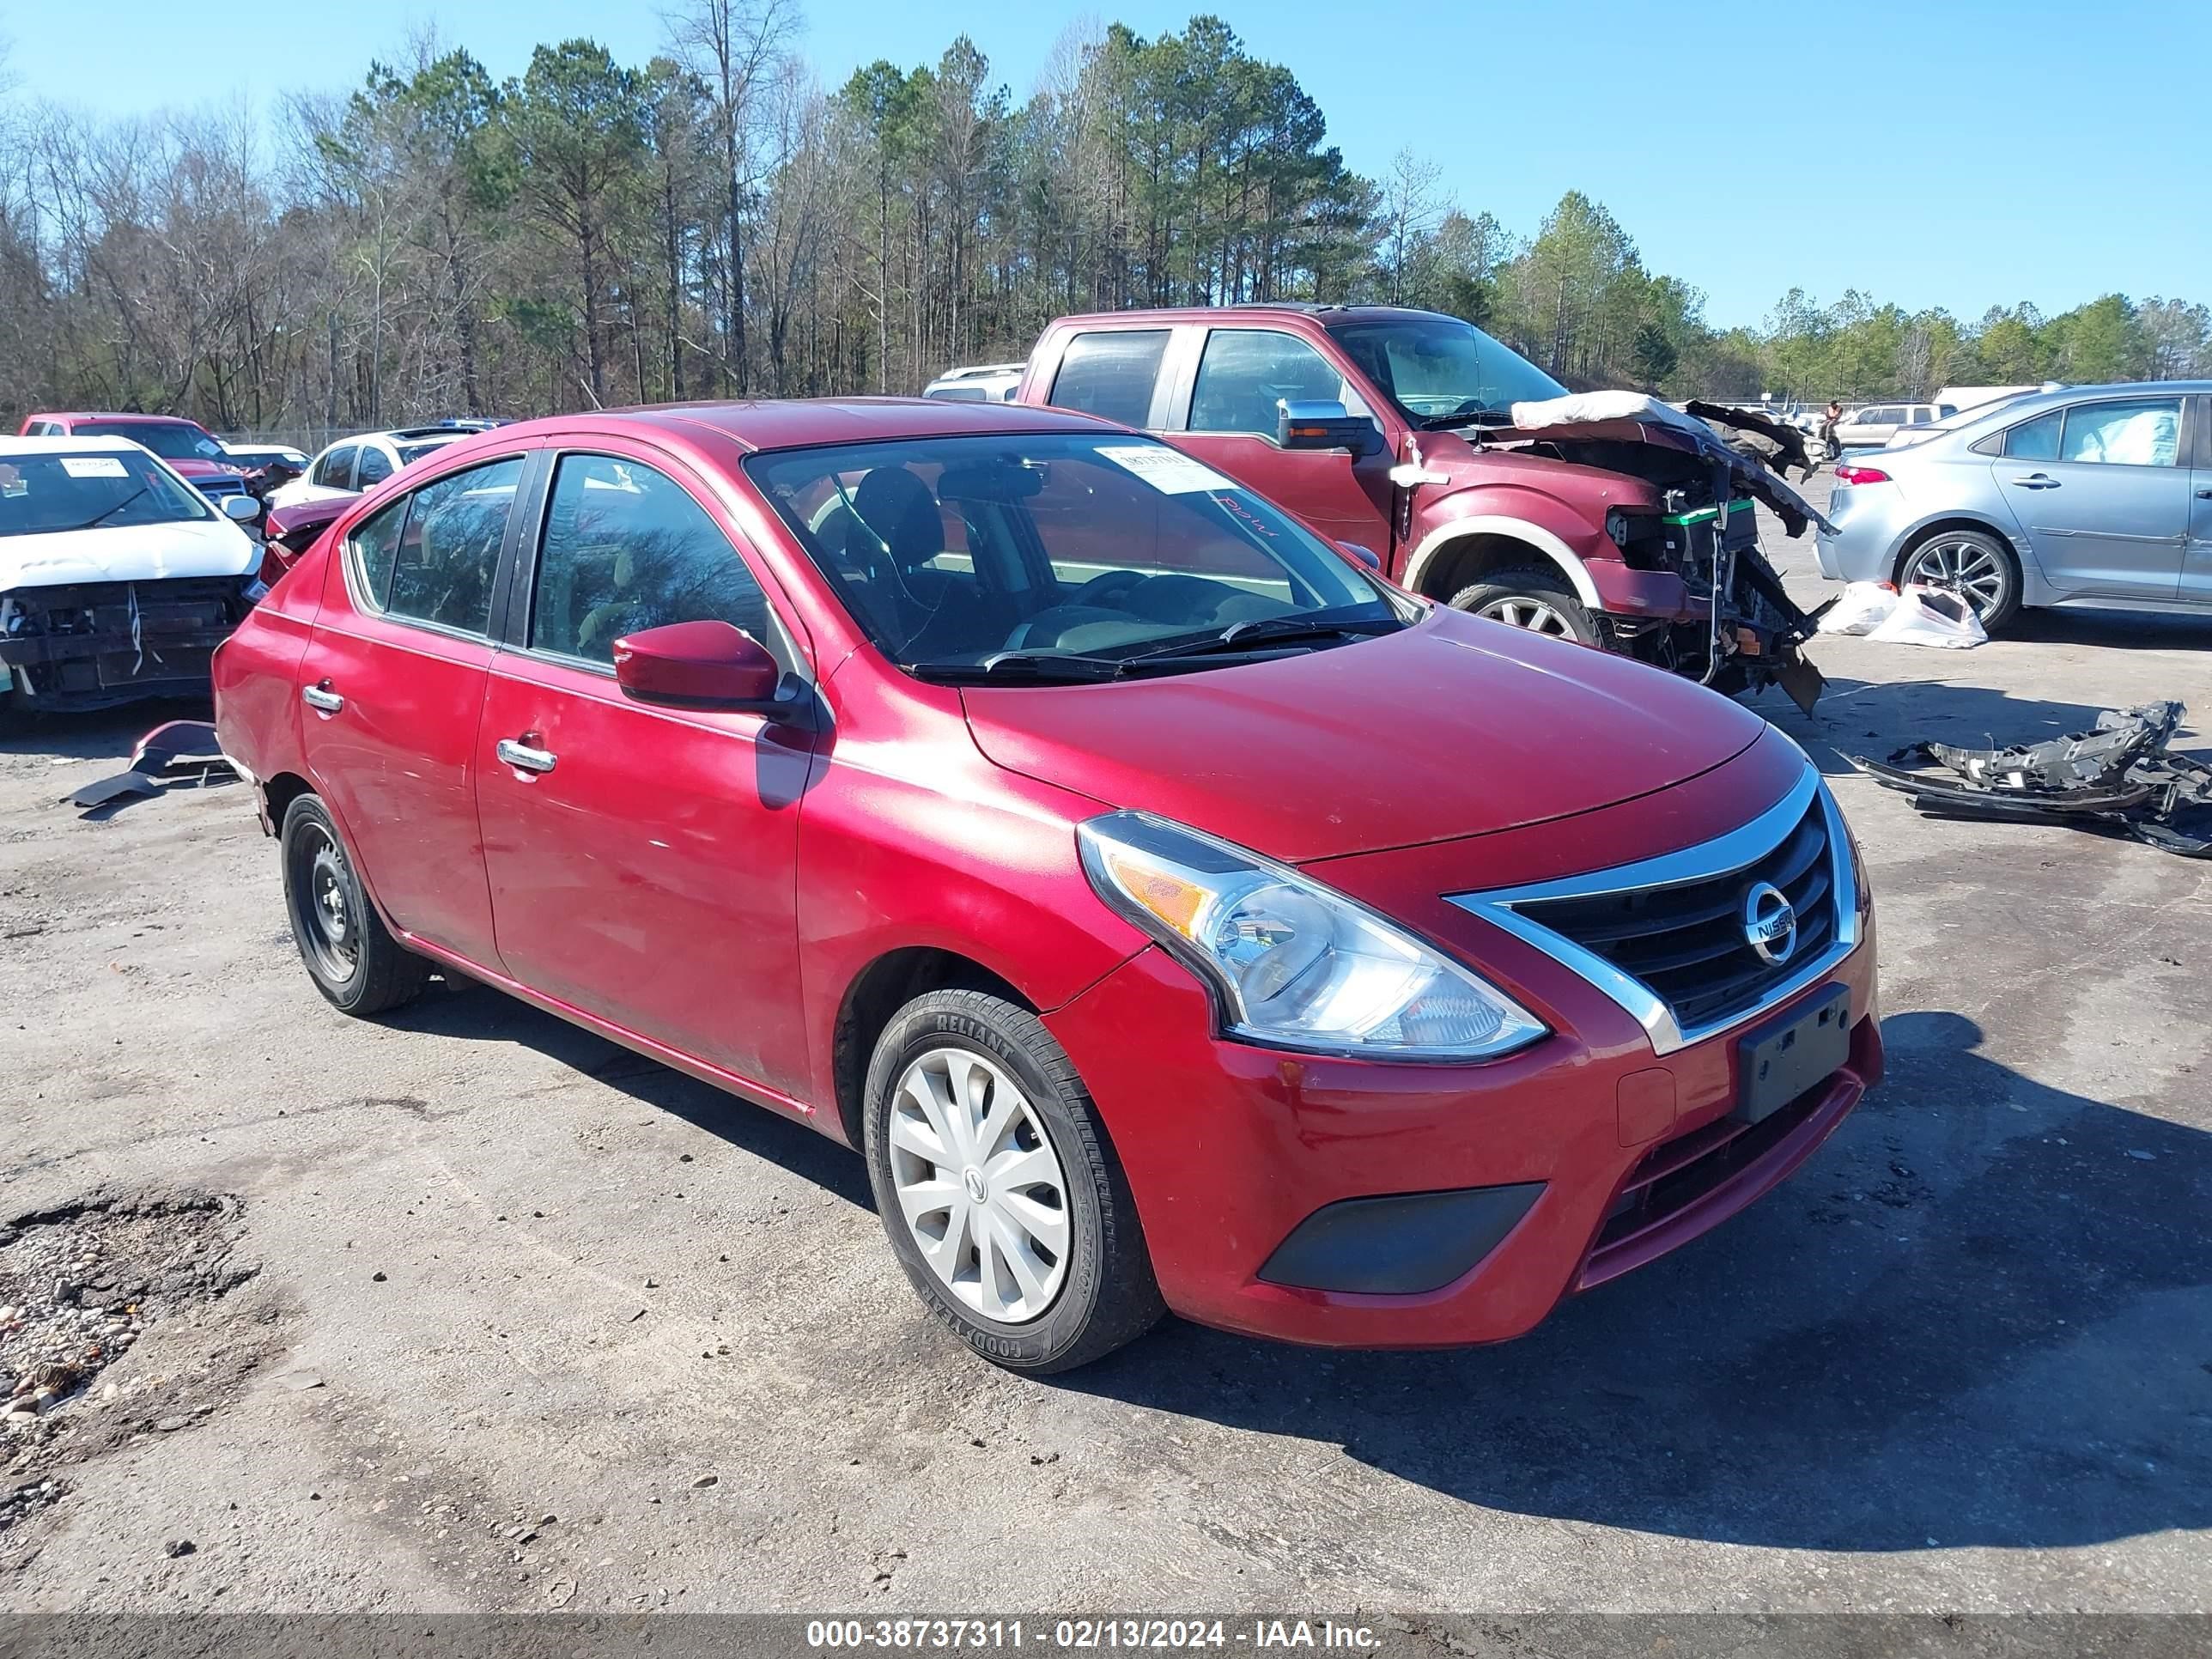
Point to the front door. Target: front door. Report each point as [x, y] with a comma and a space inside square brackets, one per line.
[2104, 495]
[643, 859]
[393, 683]
[1244, 374]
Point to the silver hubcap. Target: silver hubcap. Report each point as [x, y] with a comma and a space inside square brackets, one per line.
[1518, 611]
[1967, 568]
[979, 1185]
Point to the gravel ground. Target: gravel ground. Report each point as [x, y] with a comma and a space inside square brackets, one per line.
[537, 1324]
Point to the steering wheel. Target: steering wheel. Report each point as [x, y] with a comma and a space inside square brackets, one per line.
[1107, 591]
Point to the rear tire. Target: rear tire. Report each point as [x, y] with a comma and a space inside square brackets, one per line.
[1000, 1193]
[1528, 598]
[1971, 564]
[351, 955]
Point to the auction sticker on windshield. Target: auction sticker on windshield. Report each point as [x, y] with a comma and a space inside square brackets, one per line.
[1168, 471]
[95, 466]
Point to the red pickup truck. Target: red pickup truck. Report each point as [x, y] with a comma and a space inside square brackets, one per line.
[1391, 431]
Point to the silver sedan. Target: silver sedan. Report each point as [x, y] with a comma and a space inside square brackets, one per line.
[2088, 496]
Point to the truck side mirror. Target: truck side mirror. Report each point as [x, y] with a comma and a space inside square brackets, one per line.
[1324, 425]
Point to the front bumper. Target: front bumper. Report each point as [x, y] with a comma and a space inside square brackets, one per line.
[88, 645]
[1229, 1151]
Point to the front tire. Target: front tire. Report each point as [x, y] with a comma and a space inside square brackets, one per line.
[350, 954]
[1002, 1197]
[1972, 564]
[1524, 596]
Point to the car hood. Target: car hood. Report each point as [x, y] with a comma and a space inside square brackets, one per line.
[191, 469]
[1453, 727]
[127, 553]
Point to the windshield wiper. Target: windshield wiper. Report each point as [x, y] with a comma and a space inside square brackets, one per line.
[1465, 417]
[1013, 667]
[1262, 633]
[97, 516]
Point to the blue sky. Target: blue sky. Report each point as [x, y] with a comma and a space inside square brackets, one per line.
[1960, 153]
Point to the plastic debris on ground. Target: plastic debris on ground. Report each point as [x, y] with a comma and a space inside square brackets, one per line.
[180, 754]
[2116, 779]
[1929, 616]
[1859, 609]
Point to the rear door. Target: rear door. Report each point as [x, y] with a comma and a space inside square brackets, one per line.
[643, 859]
[394, 685]
[1229, 418]
[2104, 493]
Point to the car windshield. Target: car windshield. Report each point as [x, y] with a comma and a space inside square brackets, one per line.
[40, 494]
[410, 453]
[1438, 366]
[172, 440]
[1040, 555]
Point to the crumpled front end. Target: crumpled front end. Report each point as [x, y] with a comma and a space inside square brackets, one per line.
[1691, 592]
[77, 646]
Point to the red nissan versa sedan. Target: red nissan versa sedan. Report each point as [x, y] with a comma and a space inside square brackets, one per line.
[1172, 911]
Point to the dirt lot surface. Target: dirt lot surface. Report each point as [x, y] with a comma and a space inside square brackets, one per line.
[467, 1309]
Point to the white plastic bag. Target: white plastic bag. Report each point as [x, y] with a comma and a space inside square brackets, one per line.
[1929, 616]
[1859, 609]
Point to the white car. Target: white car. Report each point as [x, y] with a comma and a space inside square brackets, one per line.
[118, 578]
[250, 456]
[984, 383]
[354, 465]
[1875, 424]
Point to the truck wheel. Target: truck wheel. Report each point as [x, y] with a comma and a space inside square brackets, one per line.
[1525, 596]
[1005, 1203]
[351, 955]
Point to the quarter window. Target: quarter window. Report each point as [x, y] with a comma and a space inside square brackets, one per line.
[430, 556]
[626, 547]
[1246, 372]
[2135, 432]
[1110, 373]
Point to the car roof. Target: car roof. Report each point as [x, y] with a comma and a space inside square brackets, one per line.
[100, 414]
[1271, 311]
[11, 445]
[801, 423]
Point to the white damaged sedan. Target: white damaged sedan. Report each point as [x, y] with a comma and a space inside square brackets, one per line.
[118, 580]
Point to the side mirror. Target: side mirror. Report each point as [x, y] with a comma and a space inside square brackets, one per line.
[698, 665]
[1319, 425]
[1366, 556]
[240, 509]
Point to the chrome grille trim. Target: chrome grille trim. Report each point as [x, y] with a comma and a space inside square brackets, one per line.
[1722, 856]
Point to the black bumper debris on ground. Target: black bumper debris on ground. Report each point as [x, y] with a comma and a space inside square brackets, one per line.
[2116, 779]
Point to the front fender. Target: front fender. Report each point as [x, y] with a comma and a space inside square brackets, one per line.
[1555, 530]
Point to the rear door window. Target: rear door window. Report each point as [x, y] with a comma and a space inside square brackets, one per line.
[2036, 440]
[1110, 373]
[334, 470]
[430, 556]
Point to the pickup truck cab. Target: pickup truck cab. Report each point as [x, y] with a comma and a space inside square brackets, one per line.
[1391, 431]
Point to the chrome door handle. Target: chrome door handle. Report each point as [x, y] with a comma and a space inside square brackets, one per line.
[321, 696]
[2037, 481]
[524, 758]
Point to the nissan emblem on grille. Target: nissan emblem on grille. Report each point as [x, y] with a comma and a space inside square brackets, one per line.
[1770, 926]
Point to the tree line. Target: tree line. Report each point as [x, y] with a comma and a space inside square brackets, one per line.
[715, 223]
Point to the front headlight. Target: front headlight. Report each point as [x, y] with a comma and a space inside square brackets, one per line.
[1295, 964]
